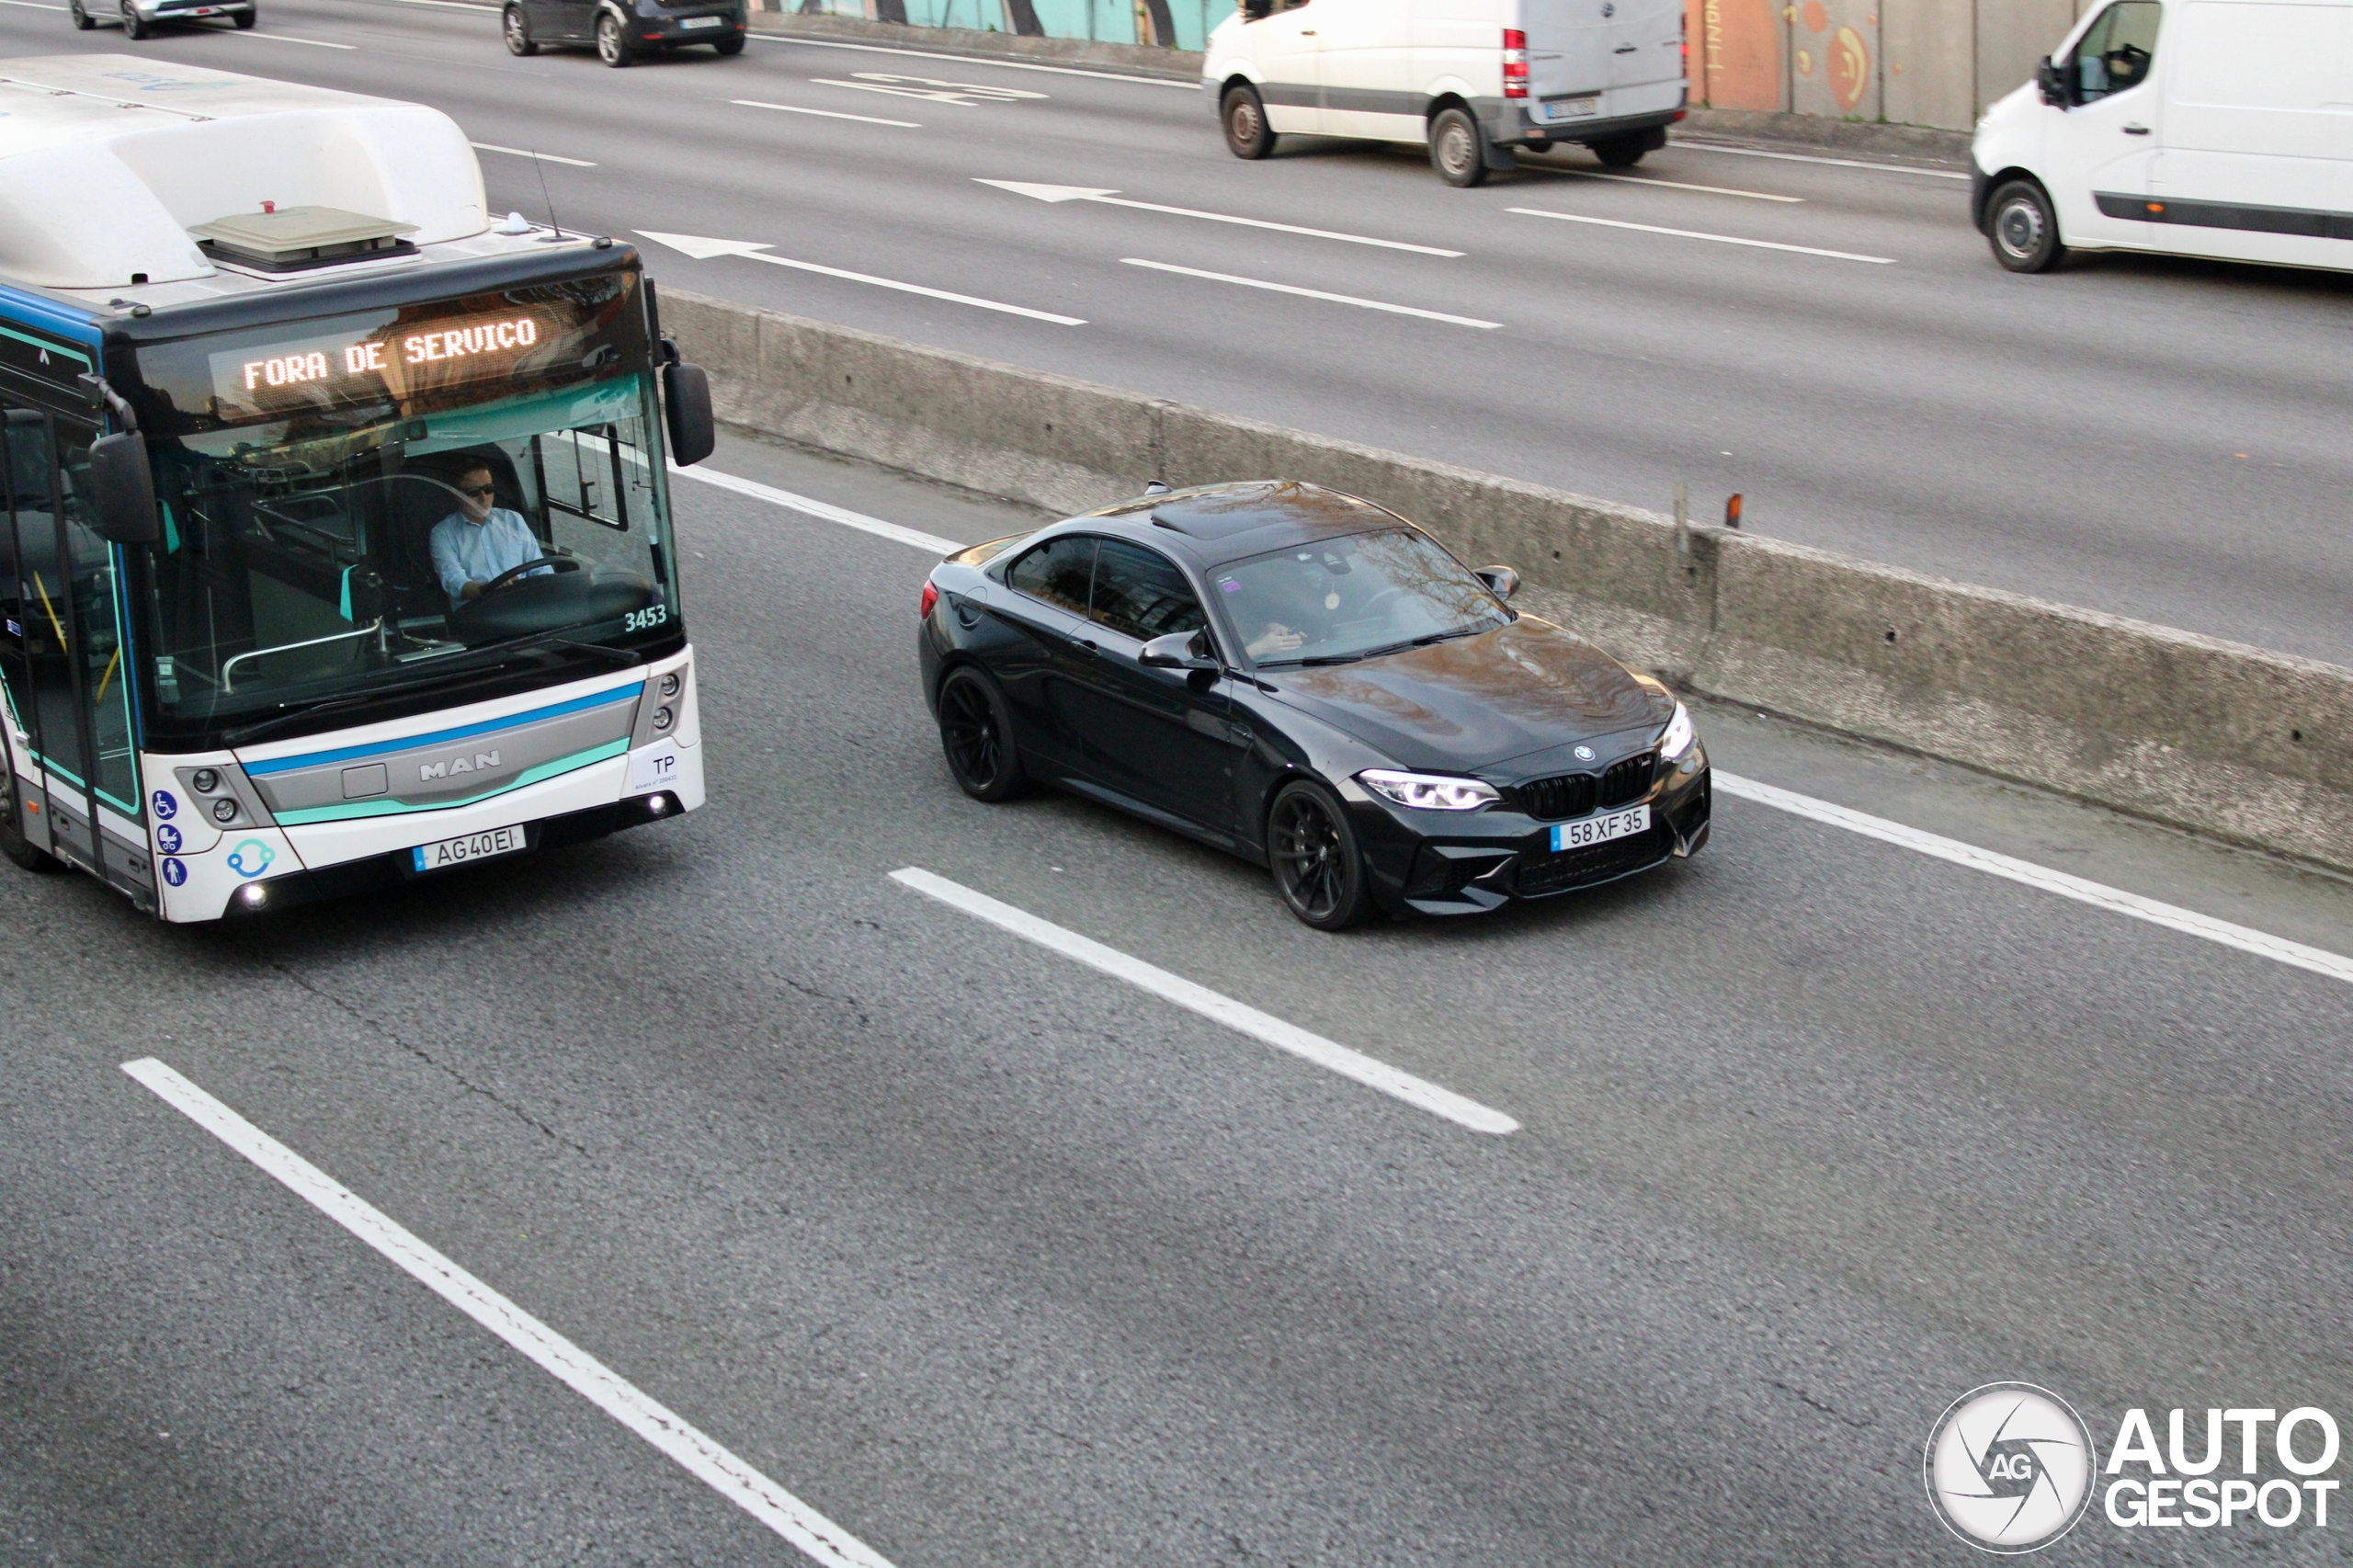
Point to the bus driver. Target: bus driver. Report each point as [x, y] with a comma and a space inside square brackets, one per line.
[473, 544]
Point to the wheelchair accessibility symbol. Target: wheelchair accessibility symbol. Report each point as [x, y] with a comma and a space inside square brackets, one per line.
[250, 859]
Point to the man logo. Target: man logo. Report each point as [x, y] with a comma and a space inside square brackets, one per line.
[2009, 1468]
[482, 762]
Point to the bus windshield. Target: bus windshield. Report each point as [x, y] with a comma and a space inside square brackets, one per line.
[368, 501]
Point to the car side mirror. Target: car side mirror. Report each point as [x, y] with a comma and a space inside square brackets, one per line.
[1502, 581]
[2052, 82]
[685, 408]
[1178, 651]
[122, 486]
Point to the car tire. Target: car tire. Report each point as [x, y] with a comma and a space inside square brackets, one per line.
[83, 20]
[730, 45]
[515, 29]
[2022, 229]
[1458, 149]
[245, 19]
[134, 26]
[1244, 114]
[612, 44]
[1620, 151]
[1317, 864]
[976, 736]
[13, 842]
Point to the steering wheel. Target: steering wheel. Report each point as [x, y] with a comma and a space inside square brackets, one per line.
[516, 573]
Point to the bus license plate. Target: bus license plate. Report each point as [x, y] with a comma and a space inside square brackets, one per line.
[468, 848]
[1601, 829]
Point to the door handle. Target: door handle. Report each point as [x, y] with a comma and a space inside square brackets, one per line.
[2136, 131]
[1623, 49]
[1307, 32]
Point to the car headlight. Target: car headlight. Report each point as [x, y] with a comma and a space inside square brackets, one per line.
[1428, 791]
[1680, 734]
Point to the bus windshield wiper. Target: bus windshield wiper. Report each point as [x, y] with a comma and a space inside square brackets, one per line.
[531, 640]
[246, 734]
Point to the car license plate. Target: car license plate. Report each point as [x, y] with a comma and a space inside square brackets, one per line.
[702, 21]
[1610, 826]
[1572, 109]
[469, 847]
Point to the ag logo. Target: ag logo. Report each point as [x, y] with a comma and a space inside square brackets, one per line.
[250, 859]
[2009, 1468]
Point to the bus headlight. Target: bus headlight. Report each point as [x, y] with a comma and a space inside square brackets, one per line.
[204, 781]
[669, 684]
[663, 720]
[224, 811]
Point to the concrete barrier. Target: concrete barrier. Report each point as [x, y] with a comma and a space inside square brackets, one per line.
[2244, 745]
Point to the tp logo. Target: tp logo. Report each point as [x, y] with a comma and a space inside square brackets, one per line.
[250, 859]
[2009, 1468]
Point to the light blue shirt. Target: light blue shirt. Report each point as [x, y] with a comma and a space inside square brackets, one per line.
[467, 552]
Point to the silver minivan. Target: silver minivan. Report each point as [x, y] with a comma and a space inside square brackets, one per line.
[1470, 79]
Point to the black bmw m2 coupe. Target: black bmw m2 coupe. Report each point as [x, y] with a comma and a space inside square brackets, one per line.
[1311, 682]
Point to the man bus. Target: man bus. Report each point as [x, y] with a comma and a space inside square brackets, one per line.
[258, 341]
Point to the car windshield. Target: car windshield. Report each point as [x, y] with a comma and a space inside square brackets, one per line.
[362, 504]
[1341, 599]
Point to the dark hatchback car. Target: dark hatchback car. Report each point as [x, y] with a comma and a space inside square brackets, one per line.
[623, 31]
[1313, 682]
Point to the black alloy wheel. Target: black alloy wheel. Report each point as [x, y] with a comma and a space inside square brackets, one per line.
[976, 733]
[134, 26]
[1458, 149]
[2023, 228]
[81, 19]
[732, 44]
[1620, 151]
[1244, 114]
[518, 31]
[13, 842]
[612, 44]
[1319, 871]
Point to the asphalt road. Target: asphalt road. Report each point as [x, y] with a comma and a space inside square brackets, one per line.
[994, 1258]
[2159, 439]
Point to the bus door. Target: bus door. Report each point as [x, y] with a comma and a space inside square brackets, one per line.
[64, 658]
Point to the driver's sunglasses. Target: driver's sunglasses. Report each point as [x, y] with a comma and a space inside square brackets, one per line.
[491, 490]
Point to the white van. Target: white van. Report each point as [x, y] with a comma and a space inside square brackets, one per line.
[2216, 128]
[1472, 79]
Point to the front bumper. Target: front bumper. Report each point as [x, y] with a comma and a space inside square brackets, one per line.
[1468, 862]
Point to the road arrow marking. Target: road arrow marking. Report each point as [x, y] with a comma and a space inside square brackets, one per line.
[1113, 199]
[703, 248]
[1313, 293]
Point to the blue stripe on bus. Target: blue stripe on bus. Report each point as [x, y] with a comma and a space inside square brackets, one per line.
[437, 738]
[35, 310]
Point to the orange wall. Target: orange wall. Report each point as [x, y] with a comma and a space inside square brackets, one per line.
[1736, 53]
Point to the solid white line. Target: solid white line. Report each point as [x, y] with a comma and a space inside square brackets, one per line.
[724, 1473]
[959, 59]
[1236, 1016]
[2101, 896]
[1312, 293]
[1671, 183]
[527, 153]
[281, 38]
[1696, 235]
[913, 288]
[825, 113]
[831, 514]
[1804, 158]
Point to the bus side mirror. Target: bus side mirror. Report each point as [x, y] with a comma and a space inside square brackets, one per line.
[123, 487]
[2052, 82]
[686, 405]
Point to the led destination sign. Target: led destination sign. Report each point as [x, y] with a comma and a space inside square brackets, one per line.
[402, 361]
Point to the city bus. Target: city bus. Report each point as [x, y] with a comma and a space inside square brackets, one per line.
[335, 527]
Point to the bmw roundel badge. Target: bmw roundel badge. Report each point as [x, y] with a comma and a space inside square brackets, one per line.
[1584, 754]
